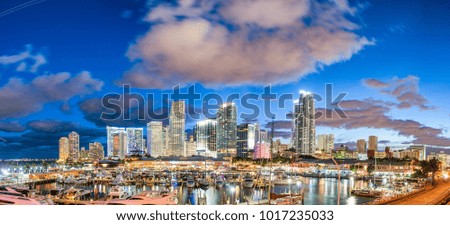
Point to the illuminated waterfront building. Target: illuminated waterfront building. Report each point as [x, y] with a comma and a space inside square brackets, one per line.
[96, 151]
[135, 142]
[205, 132]
[191, 147]
[74, 146]
[227, 129]
[115, 142]
[177, 123]
[246, 140]
[155, 139]
[63, 149]
[303, 124]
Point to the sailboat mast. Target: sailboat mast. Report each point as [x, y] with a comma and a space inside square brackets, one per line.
[270, 158]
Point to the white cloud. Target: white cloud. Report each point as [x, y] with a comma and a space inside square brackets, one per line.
[25, 61]
[248, 42]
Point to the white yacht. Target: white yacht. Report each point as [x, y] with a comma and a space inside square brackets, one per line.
[148, 198]
[117, 193]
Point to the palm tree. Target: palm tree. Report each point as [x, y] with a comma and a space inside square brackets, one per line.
[431, 166]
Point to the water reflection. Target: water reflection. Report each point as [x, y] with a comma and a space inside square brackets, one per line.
[317, 191]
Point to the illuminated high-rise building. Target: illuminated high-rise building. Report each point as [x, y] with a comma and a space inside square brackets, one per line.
[304, 125]
[114, 141]
[155, 139]
[325, 142]
[361, 146]
[177, 120]
[74, 146]
[205, 133]
[246, 138]
[165, 141]
[135, 142]
[63, 149]
[227, 129]
[96, 151]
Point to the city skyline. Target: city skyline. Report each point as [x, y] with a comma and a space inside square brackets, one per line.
[390, 62]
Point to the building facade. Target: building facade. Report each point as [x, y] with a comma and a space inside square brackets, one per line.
[325, 143]
[304, 125]
[246, 140]
[177, 123]
[96, 151]
[63, 149]
[155, 139]
[227, 129]
[361, 146]
[135, 141]
[74, 146]
[115, 142]
[205, 135]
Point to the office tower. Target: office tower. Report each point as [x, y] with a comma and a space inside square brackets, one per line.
[226, 129]
[191, 147]
[205, 132]
[177, 119]
[325, 142]
[63, 149]
[135, 142]
[361, 146]
[246, 138]
[113, 139]
[155, 139]
[74, 146]
[119, 144]
[303, 124]
[84, 155]
[96, 151]
[165, 141]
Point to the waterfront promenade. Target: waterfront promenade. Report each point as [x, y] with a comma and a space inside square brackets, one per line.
[430, 196]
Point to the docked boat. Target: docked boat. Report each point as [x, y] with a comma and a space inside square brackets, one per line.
[248, 182]
[75, 194]
[190, 182]
[117, 193]
[147, 198]
[219, 182]
[367, 193]
[9, 196]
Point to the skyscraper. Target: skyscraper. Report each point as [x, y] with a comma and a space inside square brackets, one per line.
[74, 146]
[63, 149]
[205, 132]
[246, 138]
[165, 141]
[135, 142]
[361, 146]
[325, 142]
[115, 142]
[304, 126]
[226, 129]
[373, 143]
[96, 151]
[155, 139]
[177, 120]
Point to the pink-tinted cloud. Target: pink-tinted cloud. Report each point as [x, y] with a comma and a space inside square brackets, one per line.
[19, 98]
[24, 61]
[405, 90]
[263, 42]
[374, 114]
